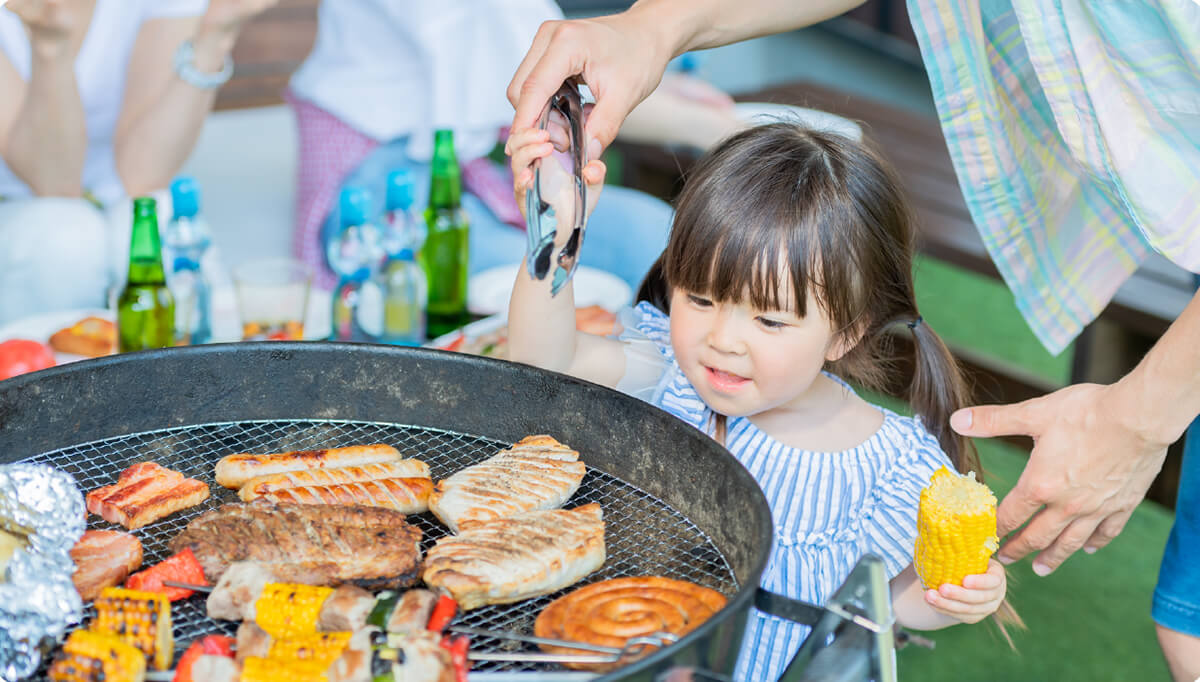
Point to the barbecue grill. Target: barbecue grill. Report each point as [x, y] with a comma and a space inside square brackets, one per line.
[675, 502]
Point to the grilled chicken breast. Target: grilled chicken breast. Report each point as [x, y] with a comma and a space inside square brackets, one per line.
[517, 557]
[536, 473]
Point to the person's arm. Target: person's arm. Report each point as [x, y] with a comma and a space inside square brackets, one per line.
[682, 110]
[541, 327]
[979, 597]
[162, 115]
[1096, 448]
[43, 138]
[622, 57]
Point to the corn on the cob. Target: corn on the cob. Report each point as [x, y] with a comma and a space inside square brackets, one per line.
[142, 619]
[319, 648]
[285, 610]
[956, 529]
[256, 669]
[91, 657]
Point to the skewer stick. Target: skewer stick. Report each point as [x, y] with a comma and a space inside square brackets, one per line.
[188, 586]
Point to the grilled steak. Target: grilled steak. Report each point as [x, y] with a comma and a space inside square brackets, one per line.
[371, 547]
[521, 556]
[536, 473]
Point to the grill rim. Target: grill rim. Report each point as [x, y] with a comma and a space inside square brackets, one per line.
[162, 389]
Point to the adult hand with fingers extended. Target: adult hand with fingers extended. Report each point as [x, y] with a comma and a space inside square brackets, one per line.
[615, 55]
[1091, 464]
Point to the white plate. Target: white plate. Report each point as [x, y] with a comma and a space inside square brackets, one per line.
[40, 327]
[759, 113]
[488, 292]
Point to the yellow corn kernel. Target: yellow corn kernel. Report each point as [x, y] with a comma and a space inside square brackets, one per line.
[285, 610]
[256, 669]
[140, 618]
[90, 657]
[319, 648]
[956, 529]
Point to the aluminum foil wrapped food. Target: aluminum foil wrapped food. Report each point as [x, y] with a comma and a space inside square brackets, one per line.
[42, 516]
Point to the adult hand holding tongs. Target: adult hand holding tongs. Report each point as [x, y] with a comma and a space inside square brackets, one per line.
[557, 199]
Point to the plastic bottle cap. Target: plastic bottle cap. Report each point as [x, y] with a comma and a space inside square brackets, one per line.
[405, 254]
[353, 205]
[399, 190]
[185, 197]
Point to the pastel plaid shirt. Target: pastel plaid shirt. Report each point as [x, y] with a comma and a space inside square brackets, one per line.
[1074, 128]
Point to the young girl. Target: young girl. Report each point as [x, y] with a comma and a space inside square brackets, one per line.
[789, 264]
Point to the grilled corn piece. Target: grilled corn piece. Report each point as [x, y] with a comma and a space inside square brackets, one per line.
[285, 610]
[319, 648]
[256, 669]
[956, 529]
[142, 619]
[91, 657]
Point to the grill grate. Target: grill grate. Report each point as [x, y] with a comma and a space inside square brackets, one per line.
[643, 535]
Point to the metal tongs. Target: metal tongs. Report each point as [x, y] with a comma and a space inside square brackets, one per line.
[546, 205]
[601, 654]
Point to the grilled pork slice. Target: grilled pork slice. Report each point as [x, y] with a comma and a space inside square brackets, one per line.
[144, 493]
[233, 471]
[400, 468]
[518, 557]
[405, 495]
[371, 547]
[104, 558]
[536, 473]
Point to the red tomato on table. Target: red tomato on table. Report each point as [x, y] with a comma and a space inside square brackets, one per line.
[18, 356]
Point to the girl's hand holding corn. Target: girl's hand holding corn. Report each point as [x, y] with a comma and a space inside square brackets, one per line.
[978, 597]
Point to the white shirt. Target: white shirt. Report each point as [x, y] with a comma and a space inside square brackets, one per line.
[390, 68]
[100, 70]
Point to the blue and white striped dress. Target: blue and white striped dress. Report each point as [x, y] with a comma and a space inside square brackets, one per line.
[829, 508]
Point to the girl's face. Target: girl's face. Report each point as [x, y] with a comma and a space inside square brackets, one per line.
[747, 362]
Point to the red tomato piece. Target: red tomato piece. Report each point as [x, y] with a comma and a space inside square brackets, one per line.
[18, 356]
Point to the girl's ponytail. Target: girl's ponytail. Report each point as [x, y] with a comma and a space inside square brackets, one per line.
[938, 389]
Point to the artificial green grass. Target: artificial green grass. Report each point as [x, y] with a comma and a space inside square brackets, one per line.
[975, 312]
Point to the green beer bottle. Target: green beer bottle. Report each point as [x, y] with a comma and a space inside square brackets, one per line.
[145, 308]
[444, 255]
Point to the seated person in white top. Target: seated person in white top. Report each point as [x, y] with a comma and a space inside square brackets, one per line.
[103, 100]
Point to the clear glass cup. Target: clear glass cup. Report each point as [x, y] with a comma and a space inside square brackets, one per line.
[272, 296]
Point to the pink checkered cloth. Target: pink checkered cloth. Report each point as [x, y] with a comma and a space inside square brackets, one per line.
[330, 150]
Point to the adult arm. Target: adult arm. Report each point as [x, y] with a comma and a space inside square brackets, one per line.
[43, 138]
[1097, 448]
[622, 57]
[162, 115]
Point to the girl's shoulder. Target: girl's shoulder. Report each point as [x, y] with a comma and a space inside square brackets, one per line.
[644, 321]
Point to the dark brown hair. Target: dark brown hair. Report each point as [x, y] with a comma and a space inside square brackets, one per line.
[830, 209]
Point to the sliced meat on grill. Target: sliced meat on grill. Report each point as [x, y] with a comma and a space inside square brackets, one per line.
[405, 495]
[233, 597]
[536, 473]
[412, 612]
[345, 610]
[144, 493]
[521, 556]
[371, 547]
[400, 468]
[104, 558]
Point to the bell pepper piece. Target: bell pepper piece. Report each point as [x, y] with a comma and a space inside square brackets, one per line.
[443, 612]
[182, 567]
[209, 645]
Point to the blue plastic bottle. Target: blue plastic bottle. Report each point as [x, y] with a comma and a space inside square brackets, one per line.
[402, 278]
[356, 256]
[186, 241]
